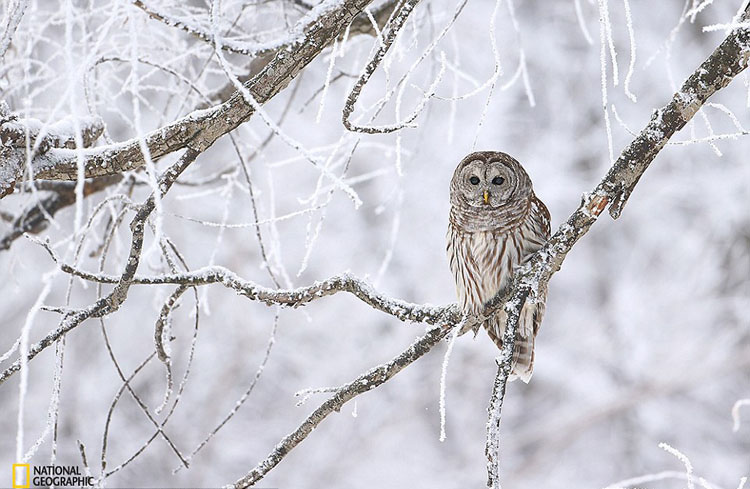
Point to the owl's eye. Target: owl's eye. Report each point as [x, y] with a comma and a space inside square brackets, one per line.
[498, 180]
[474, 180]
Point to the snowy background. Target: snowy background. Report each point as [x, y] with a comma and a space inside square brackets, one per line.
[647, 333]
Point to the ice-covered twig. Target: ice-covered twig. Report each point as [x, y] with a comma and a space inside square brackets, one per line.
[722, 27]
[631, 65]
[398, 19]
[682, 458]
[636, 482]
[728, 60]
[736, 413]
[12, 18]
[196, 30]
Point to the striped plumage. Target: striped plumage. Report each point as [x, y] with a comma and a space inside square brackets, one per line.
[495, 222]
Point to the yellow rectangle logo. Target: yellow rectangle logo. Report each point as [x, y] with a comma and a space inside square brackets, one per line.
[21, 476]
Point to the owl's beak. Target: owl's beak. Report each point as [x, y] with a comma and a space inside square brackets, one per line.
[486, 197]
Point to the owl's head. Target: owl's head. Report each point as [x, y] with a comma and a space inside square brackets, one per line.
[489, 180]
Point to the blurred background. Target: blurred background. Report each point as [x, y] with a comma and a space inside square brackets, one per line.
[646, 338]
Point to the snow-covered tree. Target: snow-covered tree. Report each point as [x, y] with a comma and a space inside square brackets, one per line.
[178, 179]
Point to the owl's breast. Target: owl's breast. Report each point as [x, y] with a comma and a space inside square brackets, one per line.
[482, 263]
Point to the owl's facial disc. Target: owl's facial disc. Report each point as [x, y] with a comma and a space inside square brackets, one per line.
[488, 184]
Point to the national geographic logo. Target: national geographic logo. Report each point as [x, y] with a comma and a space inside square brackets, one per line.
[24, 475]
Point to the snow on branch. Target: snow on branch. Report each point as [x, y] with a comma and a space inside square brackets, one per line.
[405, 311]
[115, 159]
[16, 135]
[402, 310]
[363, 24]
[726, 62]
[201, 128]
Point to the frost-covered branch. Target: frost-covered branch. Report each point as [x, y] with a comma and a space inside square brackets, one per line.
[199, 129]
[118, 158]
[361, 25]
[34, 218]
[112, 301]
[400, 15]
[402, 310]
[11, 19]
[16, 135]
[726, 62]
[197, 31]
[364, 383]
[405, 311]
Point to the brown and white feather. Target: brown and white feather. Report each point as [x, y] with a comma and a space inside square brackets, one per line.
[487, 242]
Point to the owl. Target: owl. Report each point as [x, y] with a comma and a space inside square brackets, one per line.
[495, 223]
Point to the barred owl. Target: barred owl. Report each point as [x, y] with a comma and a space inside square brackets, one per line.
[496, 221]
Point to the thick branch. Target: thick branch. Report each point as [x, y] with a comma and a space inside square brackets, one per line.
[324, 24]
[16, 134]
[726, 62]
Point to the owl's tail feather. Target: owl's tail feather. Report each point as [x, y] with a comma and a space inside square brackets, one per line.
[523, 354]
[523, 358]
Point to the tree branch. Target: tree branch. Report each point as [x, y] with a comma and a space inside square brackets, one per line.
[34, 218]
[364, 383]
[726, 62]
[16, 134]
[199, 129]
